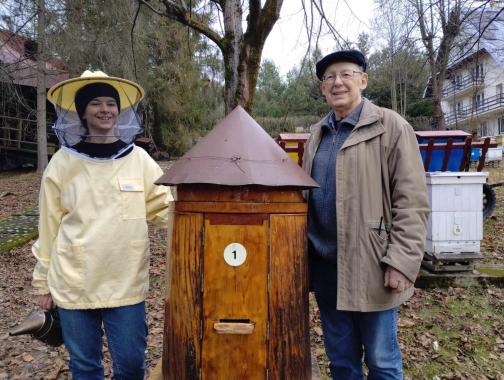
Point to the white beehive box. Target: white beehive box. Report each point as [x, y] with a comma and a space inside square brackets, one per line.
[455, 224]
[494, 154]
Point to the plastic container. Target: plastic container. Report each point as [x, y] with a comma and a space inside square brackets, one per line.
[437, 156]
[494, 154]
[475, 154]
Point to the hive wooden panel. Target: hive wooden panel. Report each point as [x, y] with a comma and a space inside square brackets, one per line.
[218, 310]
[239, 208]
[289, 345]
[242, 194]
[235, 295]
[182, 351]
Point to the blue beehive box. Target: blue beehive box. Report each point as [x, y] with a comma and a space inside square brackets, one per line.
[475, 154]
[437, 156]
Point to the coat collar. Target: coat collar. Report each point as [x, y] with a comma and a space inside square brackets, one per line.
[370, 114]
[368, 126]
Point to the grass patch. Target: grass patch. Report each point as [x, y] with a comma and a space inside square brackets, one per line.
[453, 332]
[18, 240]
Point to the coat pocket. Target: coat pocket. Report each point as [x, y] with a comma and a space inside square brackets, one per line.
[378, 244]
[378, 241]
[132, 198]
[67, 267]
[137, 269]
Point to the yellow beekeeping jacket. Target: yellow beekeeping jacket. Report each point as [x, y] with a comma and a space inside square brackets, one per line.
[93, 248]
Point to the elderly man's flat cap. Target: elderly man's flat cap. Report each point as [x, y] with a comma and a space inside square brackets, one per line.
[353, 56]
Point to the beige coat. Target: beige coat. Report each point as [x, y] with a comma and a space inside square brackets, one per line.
[379, 172]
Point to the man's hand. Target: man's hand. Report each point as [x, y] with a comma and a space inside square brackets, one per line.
[396, 280]
[45, 301]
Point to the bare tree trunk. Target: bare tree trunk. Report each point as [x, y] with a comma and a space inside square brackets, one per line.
[393, 90]
[75, 20]
[392, 26]
[41, 90]
[403, 85]
[449, 15]
[232, 43]
[241, 51]
[405, 96]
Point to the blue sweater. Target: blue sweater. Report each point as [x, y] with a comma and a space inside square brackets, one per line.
[322, 201]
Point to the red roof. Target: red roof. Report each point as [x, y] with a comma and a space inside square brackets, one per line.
[427, 134]
[19, 68]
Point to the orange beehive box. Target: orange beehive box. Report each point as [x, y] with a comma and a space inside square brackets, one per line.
[237, 304]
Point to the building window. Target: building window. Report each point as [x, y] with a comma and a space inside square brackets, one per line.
[457, 81]
[477, 71]
[498, 92]
[484, 129]
[459, 107]
[478, 101]
[500, 121]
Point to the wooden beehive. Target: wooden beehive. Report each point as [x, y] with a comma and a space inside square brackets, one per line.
[237, 305]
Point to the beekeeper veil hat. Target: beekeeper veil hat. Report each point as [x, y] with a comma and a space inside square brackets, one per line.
[69, 127]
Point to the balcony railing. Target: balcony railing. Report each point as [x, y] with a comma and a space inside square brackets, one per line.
[20, 135]
[486, 105]
[466, 82]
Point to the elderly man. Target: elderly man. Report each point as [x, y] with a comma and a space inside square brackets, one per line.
[366, 222]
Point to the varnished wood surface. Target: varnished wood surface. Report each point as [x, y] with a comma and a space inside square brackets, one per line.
[247, 194]
[182, 349]
[233, 327]
[289, 345]
[238, 219]
[204, 289]
[232, 207]
[235, 293]
[157, 372]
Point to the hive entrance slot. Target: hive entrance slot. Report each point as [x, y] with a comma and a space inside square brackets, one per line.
[227, 320]
[234, 326]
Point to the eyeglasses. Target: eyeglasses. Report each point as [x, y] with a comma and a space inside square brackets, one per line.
[344, 75]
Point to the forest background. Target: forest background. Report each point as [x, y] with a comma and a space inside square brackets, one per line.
[182, 70]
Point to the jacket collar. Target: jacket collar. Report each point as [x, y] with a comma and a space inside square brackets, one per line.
[368, 126]
[365, 129]
[370, 113]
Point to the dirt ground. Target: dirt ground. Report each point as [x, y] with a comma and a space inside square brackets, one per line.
[23, 357]
[453, 333]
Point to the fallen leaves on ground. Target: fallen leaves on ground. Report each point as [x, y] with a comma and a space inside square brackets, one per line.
[22, 357]
[454, 333]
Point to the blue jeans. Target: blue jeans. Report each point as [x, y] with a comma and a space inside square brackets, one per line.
[350, 336]
[126, 330]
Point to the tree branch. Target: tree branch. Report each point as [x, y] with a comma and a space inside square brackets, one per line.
[328, 23]
[132, 36]
[182, 14]
[218, 3]
[254, 16]
[479, 34]
[261, 21]
[16, 32]
[270, 14]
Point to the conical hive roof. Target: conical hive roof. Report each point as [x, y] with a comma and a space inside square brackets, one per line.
[237, 152]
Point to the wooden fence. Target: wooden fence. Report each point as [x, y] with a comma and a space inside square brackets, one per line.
[18, 139]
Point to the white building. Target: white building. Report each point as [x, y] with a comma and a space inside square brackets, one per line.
[473, 93]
